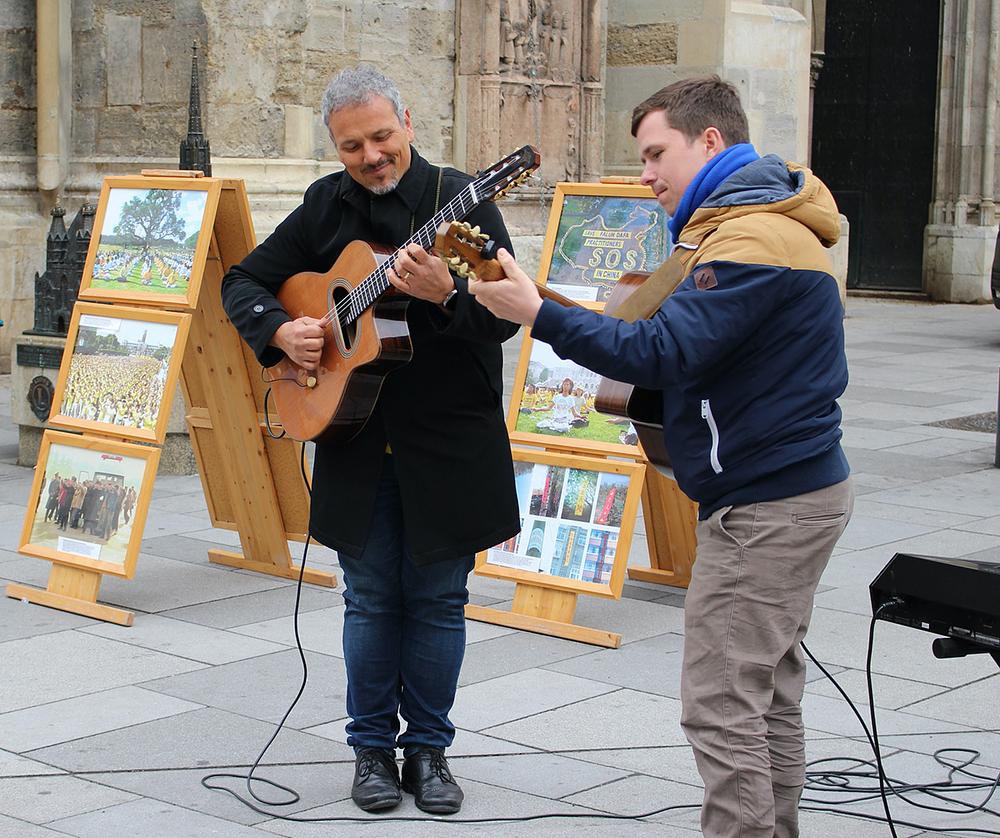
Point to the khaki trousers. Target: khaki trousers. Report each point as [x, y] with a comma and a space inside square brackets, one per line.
[747, 610]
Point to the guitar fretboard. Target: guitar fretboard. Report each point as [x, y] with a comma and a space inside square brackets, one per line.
[377, 282]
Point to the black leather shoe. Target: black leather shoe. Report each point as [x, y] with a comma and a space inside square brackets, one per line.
[427, 778]
[376, 780]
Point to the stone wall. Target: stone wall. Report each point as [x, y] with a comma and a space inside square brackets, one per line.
[762, 48]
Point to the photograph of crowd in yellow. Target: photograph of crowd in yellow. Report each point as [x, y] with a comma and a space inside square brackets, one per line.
[120, 371]
[151, 245]
[88, 502]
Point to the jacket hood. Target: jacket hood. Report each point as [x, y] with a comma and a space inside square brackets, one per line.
[770, 185]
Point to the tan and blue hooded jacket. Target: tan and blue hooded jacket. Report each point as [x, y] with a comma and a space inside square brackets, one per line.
[749, 349]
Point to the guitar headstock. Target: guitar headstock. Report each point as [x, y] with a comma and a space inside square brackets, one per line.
[504, 175]
[467, 251]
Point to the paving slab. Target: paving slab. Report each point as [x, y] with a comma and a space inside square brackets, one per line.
[841, 638]
[152, 819]
[74, 718]
[481, 801]
[890, 693]
[622, 719]
[489, 703]
[931, 517]
[641, 795]
[162, 584]
[976, 705]
[13, 828]
[652, 665]
[201, 738]
[263, 688]
[834, 715]
[186, 640]
[549, 775]
[514, 651]
[43, 799]
[319, 631]
[231, 611]
[14, 765]
[185, 789]
[22, 619]
[87, 664]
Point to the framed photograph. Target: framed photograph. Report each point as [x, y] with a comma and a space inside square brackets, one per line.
[119, 371]
[577, 517]
[596, 233]
[151, 239]
[88, 502]
[552, 404]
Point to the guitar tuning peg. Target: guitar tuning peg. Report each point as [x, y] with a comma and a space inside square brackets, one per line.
[484, 237]
[475, 231]
[455, 260]
[463, 270]
[472, 275]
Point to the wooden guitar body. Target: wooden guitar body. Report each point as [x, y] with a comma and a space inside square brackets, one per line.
[643, 407]
[333, 402]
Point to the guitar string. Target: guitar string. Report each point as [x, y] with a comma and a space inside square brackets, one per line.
[368, 290]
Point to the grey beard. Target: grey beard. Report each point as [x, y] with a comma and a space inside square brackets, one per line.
[384, 189]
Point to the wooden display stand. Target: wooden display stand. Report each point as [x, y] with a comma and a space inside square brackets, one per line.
[583, 544]
[254, 484]
[670, 518]
[75, 590]
[544, 611]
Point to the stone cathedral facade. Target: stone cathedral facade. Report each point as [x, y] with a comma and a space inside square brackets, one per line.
[90, 88]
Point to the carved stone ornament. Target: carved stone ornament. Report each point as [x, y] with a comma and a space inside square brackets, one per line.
[40, 392]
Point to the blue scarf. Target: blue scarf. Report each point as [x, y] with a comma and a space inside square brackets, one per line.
[705, 182]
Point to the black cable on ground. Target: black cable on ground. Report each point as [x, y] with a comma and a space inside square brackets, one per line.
[817, 780]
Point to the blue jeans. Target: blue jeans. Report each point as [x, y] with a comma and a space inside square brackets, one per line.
[404, 635]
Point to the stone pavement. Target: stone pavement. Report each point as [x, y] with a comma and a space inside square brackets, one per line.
[107, 731]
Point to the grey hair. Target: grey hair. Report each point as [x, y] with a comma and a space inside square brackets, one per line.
[357, 86]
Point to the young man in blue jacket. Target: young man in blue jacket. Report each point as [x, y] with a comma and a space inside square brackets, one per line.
[748, 352]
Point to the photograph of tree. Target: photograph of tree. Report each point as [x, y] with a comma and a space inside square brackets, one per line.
[557, 399]
[118, 371]
[148, 240]
[87, 502]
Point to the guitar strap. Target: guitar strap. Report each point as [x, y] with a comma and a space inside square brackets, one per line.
[646, 300]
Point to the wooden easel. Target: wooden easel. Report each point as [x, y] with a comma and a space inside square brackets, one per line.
[75, 590]
[253, 483]
[670, 519]
[544, 610]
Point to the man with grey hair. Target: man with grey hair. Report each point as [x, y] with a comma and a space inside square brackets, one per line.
[428, 481]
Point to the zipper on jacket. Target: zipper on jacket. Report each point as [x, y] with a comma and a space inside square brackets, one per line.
[706, 414]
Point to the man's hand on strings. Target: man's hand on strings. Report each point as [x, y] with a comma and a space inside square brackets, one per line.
[420, 274]
[302, 340]
[513, 298]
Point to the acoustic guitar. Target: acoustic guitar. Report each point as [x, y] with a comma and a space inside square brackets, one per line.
[366, 335]
[470, 252]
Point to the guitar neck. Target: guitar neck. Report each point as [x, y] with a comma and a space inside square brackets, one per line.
[377, 282]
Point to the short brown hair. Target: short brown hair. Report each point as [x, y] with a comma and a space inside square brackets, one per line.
[692, 105]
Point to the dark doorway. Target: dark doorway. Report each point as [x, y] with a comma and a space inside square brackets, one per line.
[873, 132]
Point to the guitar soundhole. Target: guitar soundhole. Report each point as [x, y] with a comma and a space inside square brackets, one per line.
[348, 330]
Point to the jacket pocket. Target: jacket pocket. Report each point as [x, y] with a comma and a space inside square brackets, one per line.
[706, 414]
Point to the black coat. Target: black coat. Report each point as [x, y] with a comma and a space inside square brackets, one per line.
[440, 414]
